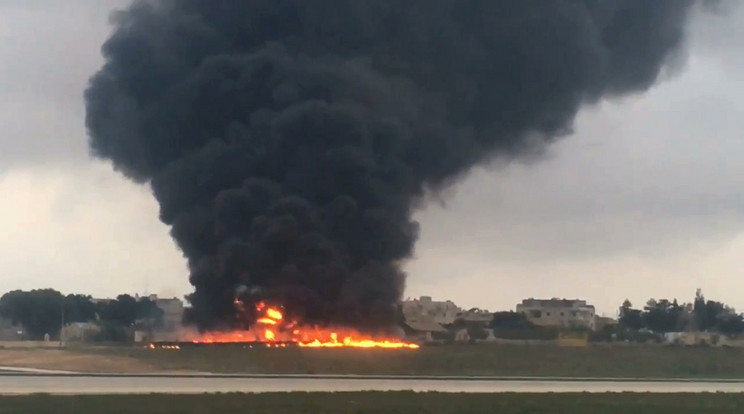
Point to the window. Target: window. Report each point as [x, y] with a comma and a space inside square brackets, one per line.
[548, 313]
[563, 314]
[536, 313]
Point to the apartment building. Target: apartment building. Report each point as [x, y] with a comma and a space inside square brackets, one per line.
[561, 313]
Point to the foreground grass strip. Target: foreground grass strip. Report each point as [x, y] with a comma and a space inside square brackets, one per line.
[380, 403]
[505, 360]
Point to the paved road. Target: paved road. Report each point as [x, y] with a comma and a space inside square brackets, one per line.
[185, 384]
[32, 371]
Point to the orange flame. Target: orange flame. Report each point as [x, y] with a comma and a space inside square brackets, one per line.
[283, 333]
[269, 335]
[274, 314]
[266, 321]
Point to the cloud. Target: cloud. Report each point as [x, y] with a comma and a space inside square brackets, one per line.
[643, 175]
[647, 195]
[84, 230]
[49, 50]
[717, 37]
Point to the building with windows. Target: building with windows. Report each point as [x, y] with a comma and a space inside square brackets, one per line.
[559, 313]
[172, 312]
[424, 309]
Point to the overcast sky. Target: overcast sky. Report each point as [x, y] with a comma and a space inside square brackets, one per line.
[646, 199]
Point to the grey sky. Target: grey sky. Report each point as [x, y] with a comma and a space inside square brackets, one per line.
[646, 199]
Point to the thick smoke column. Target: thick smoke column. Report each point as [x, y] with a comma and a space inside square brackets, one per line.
[288, 141]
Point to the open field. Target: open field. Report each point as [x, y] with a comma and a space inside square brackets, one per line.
[493, 360]
[602, 361]
[382, 403]
[66, 360]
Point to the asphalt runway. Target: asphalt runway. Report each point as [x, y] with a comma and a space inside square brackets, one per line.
[21, 384]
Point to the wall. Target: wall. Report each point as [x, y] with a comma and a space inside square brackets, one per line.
[558, 313]
[30, 344]
[80, 332]
[8, 332]
[701, 338]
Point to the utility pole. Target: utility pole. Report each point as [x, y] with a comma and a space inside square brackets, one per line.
[62, 321]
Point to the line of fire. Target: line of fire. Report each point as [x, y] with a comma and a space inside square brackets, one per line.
[272, 330]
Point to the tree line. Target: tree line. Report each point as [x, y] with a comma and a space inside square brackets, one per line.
[43, 312]
[648, 323]
[663, 316]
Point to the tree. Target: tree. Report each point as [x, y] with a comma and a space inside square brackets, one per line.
[731, 324]
[149, 313]
[663, 316]
[79, 308]
[700, 312]
[477, 331]
[126, 311]
[38, 311]
[630, 318]
[509, 320]
[708, 313]
[44, 311]
[121, 311]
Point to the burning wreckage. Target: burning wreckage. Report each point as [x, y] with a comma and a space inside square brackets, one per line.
[289, 142]
[273, 331]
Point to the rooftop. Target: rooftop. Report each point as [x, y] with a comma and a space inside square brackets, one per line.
[556, 303]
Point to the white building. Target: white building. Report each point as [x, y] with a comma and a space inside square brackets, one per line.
[172, 311]
[558, 312]
[425, 309]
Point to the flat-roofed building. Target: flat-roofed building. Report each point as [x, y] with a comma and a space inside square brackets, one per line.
[427, 310]
[560, 313]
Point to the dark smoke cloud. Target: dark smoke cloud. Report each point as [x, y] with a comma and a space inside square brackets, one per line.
[288, 141]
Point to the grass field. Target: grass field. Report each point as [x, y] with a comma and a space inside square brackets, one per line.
[381, 403]
[501, 360]
[498, 360]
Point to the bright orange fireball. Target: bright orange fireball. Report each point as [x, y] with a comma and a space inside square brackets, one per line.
[271, 328]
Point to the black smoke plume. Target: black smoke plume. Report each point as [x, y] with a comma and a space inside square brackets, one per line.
[289, 141]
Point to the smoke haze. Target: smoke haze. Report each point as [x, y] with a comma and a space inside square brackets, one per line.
[289, 141]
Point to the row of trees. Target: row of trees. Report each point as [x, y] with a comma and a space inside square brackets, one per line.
[649, 323]
[662, 316]
[43, 312]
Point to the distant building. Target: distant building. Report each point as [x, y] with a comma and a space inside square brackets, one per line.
[422, 331]
[427, 310]
[9, 332]
[172, 312]
[601, 322]
[558, 313]
[80, 332]
[143, 336]
[696, 339]
[462, 335]
[101, 301]
[476, 315]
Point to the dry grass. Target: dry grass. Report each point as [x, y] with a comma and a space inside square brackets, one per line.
[381, 403]
[600, 361]
[66, 360]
